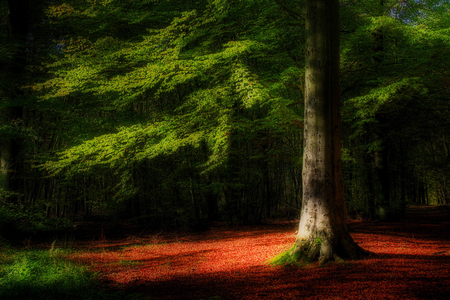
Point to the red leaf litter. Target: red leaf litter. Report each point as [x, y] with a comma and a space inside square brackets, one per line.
[410, 260]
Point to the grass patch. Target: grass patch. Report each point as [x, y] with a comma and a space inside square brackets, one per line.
[40, 274]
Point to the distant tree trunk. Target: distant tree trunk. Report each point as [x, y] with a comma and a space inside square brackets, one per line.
[403, 177]
[267, 195]
[381, 172]
[9, 145]
[323, 231]
[232, 191]
[193, 197]
[370, 186]
[211, 201]
[380, 164]
[211, 198]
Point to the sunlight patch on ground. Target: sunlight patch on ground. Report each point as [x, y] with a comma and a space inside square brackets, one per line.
[409, 261]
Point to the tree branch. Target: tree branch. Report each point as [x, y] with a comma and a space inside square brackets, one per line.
[289, 11]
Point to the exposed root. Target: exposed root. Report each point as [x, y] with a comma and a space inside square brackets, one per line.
[323, 252]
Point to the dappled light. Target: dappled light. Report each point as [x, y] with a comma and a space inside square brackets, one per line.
[157, 149]
[409, 260]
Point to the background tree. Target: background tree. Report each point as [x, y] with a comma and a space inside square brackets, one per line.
[380, 96]
[180, 112]
[192, 91]
[15, 34]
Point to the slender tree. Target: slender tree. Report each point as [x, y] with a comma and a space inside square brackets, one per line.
[12, 112]
[323, 231]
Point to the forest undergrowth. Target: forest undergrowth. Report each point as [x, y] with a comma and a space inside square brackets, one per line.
[410, 260]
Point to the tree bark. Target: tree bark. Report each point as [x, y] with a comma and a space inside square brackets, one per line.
[323, 231]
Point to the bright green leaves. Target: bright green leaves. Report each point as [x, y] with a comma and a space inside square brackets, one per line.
[376, 98]
[387, 61]
[382, 100]
[195, 82]
[248, 86]
[208, 114]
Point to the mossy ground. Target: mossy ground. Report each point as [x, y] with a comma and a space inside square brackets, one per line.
[299, 259]
[288, 258]
[41, 274]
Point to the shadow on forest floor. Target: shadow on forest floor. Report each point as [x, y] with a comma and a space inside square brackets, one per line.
[411, 261]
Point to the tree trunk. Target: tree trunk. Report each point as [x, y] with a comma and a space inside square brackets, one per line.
[323, 231]
[9, 146]
[381, 171]
[381, 165]
[403, 177]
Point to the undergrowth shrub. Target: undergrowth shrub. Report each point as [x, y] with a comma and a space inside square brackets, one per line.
[39, 275]
[18, 220]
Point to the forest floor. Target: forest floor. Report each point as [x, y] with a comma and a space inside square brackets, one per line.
[410, 260]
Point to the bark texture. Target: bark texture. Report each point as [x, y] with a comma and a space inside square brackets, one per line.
[323, 232]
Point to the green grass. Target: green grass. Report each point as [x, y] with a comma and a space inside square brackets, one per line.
[40, 274]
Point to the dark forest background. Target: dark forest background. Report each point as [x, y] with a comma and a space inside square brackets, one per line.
[179, 113]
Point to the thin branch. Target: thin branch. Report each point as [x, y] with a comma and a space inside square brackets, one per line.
[298, 123]
[416, 67]
[293, 14]
[289, 52]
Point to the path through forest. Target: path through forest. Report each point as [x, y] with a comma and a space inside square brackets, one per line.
[411, 260]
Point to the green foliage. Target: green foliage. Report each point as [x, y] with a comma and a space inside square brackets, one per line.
[181, 85]
[19, 219]
[160, 110]
[392, 58]
[38, 274]
[177, 57]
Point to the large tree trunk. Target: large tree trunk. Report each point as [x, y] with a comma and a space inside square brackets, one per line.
[323, 231]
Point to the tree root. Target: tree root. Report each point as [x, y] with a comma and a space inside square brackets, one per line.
[327, 251]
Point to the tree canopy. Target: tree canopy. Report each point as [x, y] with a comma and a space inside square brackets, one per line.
[178, 112]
